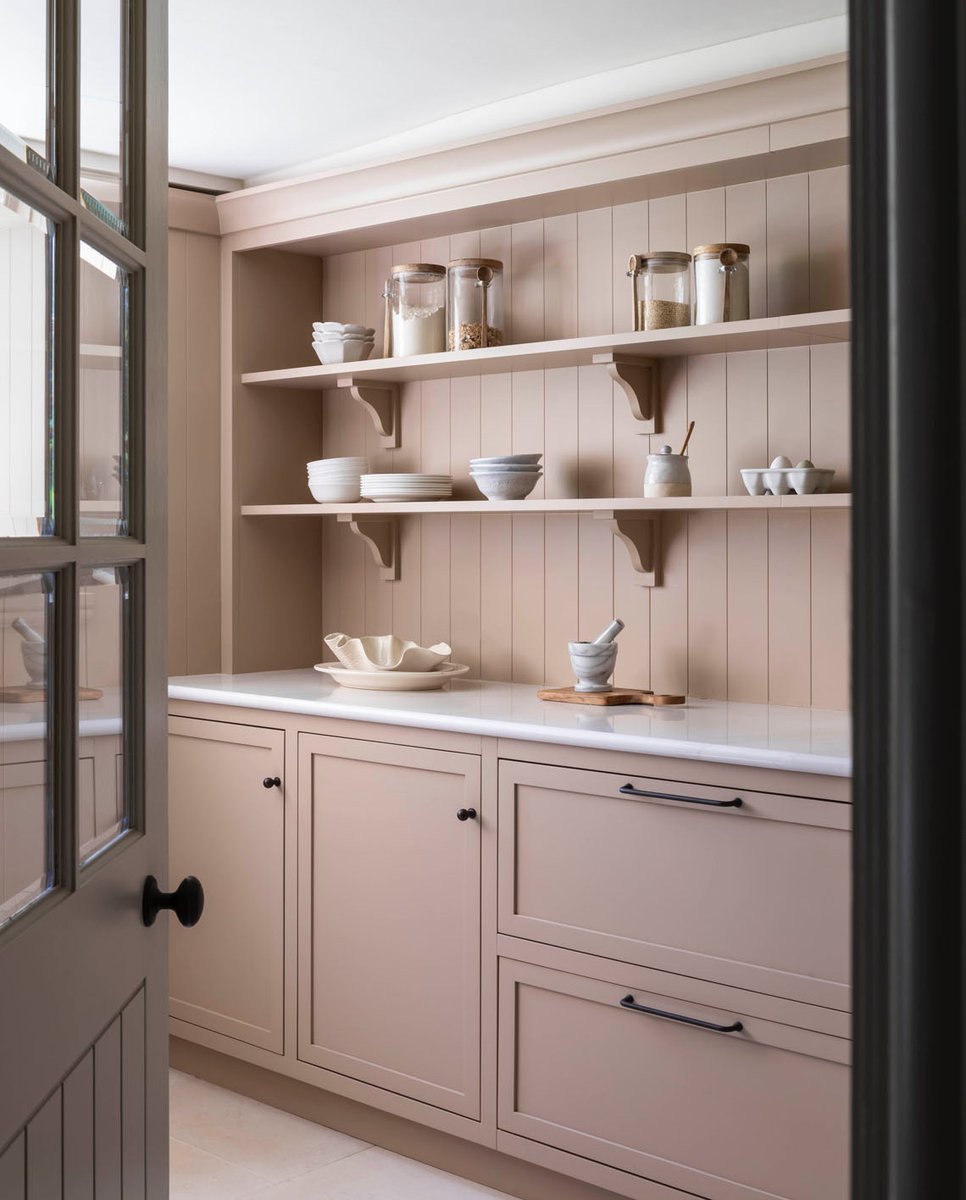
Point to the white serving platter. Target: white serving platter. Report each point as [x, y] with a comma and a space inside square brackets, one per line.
[393, 681]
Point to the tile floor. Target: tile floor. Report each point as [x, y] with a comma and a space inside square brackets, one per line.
[227, 1147]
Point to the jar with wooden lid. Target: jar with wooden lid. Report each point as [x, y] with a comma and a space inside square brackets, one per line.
[721, 282]
[415, 310]
[661, 289]
[474, 301]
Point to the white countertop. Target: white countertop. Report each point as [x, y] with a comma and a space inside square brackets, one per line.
[814, 740]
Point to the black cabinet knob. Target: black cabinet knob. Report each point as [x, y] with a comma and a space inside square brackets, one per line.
[187, 902]
[271, 781]
[466, 814]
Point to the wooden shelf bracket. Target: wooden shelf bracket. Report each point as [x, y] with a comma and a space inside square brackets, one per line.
[638, 377]
[381, 535]
[641, 534]
[381, 402]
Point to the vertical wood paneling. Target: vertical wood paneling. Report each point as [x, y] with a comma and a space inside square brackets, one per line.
[44, 1162]
[789, 608]
[747, 635]
[830, 609]
[78, 1091]
[133, 1086]
[595, 280]
[828, 238]
[788, 264]
[107, 1113]
[746, 598]
[13, 1170]
[177, 454]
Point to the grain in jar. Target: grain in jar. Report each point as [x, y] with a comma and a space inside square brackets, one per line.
[661, 289]
[474, 303]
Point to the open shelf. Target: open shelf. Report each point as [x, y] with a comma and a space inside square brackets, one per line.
[634, 520]
[629, 358]
[765, 333]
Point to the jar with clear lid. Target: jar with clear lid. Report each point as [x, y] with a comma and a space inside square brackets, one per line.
[474, 301]
[415, 310]
[661, 288]
[721, 282]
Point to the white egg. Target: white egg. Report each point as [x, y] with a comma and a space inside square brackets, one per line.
[781, 462]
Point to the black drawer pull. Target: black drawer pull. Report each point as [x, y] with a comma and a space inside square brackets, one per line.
[466, 814]
[271, 781]
[630, 790]
[734, 1027]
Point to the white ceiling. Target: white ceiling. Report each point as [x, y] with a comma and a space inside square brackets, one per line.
[266, 90]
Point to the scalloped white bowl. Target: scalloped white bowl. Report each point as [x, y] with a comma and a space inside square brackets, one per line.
[386, 653]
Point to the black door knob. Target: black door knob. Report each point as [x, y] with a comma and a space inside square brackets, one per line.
[187, 902]
[271, 781]
[466, 814]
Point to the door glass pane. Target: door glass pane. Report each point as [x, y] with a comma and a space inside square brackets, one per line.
[23, 80]
[102, 482]
[102, 52]
[26, 369]
[26, 809]
[103, 616]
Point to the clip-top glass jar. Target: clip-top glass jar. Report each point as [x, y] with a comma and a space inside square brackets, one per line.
[415, 310]
[662, 298]
[721, 283]
[474, 296]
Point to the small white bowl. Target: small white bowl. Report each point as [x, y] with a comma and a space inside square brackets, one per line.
[335, 493]
[506, 486]
[350, 350]
[507, 460]
[338, 462]
[503, 468]
[339, 327]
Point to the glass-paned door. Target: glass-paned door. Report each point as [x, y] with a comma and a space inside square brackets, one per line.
[83, 196]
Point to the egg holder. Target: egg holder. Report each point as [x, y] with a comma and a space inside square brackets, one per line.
[779, 481]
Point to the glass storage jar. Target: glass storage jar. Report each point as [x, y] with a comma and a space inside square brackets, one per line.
[661, 286]
[415, 310]
[721, 283]
[474, 301]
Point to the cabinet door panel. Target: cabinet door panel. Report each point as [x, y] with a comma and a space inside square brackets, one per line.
[759, 1112]
[389, 912]
[228, 830]
[754, 896]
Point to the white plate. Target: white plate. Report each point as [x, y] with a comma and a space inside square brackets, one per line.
[393, 681]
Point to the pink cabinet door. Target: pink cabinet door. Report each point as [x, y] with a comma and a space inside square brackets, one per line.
[227, 828]
[389, 917]
[754, 895]
[753, 1113]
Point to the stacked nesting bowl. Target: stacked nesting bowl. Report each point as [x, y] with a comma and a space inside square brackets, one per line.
[334, 342]
[506, 477]
[336, 480]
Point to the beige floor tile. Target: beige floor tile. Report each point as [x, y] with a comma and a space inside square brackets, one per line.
[196, 1175]
[266, 1141]
[379, 1175]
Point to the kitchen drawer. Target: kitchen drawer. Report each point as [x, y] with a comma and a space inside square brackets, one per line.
[759, 1112]
[754, 896]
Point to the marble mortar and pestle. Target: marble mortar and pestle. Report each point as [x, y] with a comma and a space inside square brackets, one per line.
[593, 662]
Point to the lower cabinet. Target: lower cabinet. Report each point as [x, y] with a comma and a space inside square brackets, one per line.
[700, 1087]
[227, 828]
[389, 917]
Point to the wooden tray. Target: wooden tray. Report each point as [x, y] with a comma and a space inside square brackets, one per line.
[29, 695]
[568, 695]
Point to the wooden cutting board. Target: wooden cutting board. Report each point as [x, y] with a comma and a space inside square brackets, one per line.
[568, 695]
[29, 695]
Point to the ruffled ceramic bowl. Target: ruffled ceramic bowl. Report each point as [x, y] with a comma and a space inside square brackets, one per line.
[386, 653]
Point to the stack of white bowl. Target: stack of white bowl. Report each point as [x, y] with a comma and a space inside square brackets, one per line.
[507, 476]
[396, 486]
[336, 480]
[334, 342]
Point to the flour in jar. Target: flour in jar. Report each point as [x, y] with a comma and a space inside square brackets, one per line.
[418, 330]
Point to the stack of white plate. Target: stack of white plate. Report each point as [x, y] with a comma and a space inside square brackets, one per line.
[334, 342]
[508, 476]
[401, 487]
[336, 480]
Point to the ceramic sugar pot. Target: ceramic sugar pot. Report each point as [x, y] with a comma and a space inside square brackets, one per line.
[667, 474]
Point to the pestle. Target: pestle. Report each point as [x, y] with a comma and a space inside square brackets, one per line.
[612, 630]
[26, 631]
